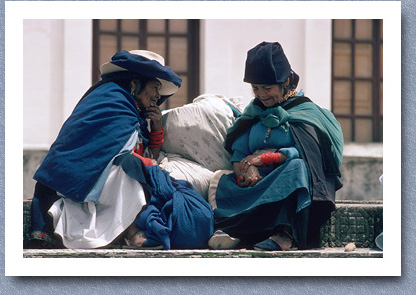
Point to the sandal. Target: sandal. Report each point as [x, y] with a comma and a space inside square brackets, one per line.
[148, 244]
[271, 245]
[221, 240]
[267, 245]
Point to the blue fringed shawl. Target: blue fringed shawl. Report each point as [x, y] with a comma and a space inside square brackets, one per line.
[95, 133]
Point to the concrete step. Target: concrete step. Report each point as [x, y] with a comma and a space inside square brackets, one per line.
[356, 222]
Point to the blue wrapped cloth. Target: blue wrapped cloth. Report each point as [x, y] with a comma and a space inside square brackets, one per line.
[176, 216]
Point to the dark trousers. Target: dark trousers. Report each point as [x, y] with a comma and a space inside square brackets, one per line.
[43, 199]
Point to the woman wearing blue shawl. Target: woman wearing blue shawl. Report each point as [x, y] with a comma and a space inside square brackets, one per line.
[286, 153]
[99, 181]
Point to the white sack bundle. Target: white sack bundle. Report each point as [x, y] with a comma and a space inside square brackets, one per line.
[184, 169]
[197, 131]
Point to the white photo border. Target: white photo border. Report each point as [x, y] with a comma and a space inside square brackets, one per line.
[16, 265]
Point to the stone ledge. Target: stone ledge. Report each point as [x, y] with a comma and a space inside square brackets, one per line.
[353, 221]
[338, 252]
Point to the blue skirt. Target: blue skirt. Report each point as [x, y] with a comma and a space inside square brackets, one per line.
[253, 213]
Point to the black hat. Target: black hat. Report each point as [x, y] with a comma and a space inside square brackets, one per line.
[267, 64]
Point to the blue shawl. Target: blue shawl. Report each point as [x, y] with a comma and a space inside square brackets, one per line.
[95, 133]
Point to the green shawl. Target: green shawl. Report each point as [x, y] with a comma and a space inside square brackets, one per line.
[306, 112]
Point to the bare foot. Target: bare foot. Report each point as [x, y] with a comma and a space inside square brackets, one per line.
[135, 237]
[284, 241]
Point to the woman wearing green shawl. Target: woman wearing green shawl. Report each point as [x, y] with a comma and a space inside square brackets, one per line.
[286, 152]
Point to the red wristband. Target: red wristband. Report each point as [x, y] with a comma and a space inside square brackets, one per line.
[267, 158]
[139, 150]
[146, 161]
[157, 138]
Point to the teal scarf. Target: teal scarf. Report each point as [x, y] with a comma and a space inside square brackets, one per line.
[307, 112]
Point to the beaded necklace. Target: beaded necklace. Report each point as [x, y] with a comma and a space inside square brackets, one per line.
[269, 130]
[290, 93]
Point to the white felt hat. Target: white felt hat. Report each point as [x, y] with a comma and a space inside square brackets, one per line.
[167, 87]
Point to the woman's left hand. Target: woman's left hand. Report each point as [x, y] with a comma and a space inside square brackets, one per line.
[251, 178]
[155, 115]
[248, 161]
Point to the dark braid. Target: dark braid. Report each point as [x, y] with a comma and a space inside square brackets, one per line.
[293, 83]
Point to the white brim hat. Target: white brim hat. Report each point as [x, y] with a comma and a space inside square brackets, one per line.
[145, 63]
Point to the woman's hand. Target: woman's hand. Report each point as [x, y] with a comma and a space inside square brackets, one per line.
[249, 161]
[255, 160]
[249, 178]
[155, 115]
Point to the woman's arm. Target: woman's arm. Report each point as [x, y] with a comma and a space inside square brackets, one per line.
[261, 159]
[155, 152]
[157, 131]
[249, 176]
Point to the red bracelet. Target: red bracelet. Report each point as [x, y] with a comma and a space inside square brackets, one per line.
[139, 150]
[267, 158]
[146, 161]
[157, 138]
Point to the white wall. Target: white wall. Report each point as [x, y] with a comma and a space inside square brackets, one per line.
[307, 44]
[57, 71]
[58, 61]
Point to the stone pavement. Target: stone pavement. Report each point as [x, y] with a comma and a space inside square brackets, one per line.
[353, 222]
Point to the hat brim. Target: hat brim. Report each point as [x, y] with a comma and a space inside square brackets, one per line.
[166, 87]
